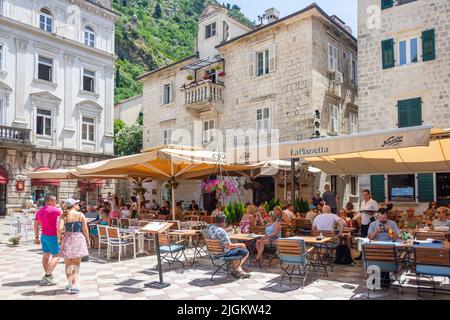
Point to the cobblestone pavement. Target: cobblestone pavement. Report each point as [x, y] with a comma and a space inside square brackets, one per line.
[20, 272]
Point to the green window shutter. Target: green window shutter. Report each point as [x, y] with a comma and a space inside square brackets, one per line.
[425, 182]
[409, 113]
[428, 45]
[387, 48]
[385, 4]
[377, 188]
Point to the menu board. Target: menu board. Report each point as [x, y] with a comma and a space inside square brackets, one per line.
[156, 227]
[443, 186]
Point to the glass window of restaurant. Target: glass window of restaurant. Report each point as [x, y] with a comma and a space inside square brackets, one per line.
[443, 188]
[402, 188]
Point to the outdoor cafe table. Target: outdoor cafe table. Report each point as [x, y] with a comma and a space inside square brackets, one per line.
[249, 240]
[194, 240]
[137, 235]
[192, 224]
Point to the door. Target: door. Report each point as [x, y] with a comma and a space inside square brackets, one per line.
[2, 199]
[265, 190]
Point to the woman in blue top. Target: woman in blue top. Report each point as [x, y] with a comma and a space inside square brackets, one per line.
[272, 231]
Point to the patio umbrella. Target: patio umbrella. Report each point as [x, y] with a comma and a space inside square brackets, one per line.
[169, 163]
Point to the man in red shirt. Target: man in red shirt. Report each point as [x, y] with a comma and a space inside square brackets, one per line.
[47, 220]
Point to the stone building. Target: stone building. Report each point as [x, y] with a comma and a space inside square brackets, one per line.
[404, 76]
[128, 110]
[296, 75]
[56, 94]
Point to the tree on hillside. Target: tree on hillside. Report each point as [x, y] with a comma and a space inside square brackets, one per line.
[157, 14]
[128, 140]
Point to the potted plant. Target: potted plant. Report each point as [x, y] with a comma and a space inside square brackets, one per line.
[190, 77]
[15, 240]
[218, 67]
[234, 212]
[206, 76]
[221, 74]
[224, 187]
[172, 183]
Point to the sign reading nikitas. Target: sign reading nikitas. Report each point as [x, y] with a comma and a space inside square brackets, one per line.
[309, 151]
[392, 141]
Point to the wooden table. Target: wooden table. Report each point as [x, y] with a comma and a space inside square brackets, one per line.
[244, 237]
[313, 240]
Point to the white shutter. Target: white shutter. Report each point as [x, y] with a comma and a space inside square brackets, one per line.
[172, 91]
[251, 64]
[272, 58]
[161, 98]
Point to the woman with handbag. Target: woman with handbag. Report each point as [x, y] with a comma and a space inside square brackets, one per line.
[74, 235]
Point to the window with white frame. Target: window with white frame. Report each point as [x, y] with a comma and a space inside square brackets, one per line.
[408, 50]
[353, 69]
[167, 136]
[353, 186]
[2, 122]
[45, 69]
[89, 37]
[44, 122]
[88, 80]
[1, 55]
[334, 119]
[46, 20]
[263, 120]
[208, 131]
[87, 129]
[353, 122]
[210, 30]
[262, 63]
[167, 94]
[333, 58]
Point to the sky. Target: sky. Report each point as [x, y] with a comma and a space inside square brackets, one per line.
[344, 9]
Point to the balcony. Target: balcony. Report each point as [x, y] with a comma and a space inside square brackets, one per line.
[15, 135]
[204, 96]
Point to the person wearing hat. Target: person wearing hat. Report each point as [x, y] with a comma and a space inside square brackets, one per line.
[73, 234]
[312, 213]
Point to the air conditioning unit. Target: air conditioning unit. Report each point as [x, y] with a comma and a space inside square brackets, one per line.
[336, 77]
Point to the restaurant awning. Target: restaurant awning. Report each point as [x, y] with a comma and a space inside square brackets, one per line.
[4, 177]
[406, 150]
[40, 182]
[95, 183]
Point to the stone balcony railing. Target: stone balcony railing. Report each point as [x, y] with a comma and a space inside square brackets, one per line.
[203, 95]
[12, 134]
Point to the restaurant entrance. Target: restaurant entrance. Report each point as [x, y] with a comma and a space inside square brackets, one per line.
[2, 199]
[265, 191]
[443, 188]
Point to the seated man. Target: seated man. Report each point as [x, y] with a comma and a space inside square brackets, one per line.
[409, 220]
[92, 213]
[231, 250]
[312, 214]
[327, 221]
[289, 212]
[383, 229]
[442, 220]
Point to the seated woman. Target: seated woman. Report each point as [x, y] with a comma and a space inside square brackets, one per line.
[165, 209]
[261, 216]
[350, 210]
[248, 220]
[409, 220]
[178, 211]
[431, 212]
[272, 233]
[279, 216]
[104, 221]
[125, 212]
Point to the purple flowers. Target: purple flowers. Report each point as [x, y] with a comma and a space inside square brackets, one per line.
[225, 186]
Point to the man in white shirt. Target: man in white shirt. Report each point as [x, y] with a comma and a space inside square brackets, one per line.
[289, 212]
[327, 221]
[367, 212]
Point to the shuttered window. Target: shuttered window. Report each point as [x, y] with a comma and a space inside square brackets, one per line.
[377, 188]
[409, 113]
[387, 48]
[428, 45]
[385, 4]
[425, 183]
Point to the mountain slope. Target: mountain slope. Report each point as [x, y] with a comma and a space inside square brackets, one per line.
[153, 33]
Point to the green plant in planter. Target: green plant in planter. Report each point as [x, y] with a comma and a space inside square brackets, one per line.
[270, 205]
[234, 212]
[218, 67]
[15, 240]
[301, 205]
[190, 77]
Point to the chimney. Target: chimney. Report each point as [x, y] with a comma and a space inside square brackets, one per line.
[272, 15]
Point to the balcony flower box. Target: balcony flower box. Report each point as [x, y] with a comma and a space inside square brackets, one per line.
[221, 74]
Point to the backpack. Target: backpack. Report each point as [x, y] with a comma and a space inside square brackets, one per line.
[343, 255]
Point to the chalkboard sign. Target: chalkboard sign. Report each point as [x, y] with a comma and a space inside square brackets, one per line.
[443, 186]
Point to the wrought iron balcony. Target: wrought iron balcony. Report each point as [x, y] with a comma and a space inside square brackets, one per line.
[12, 134]
[204, 96]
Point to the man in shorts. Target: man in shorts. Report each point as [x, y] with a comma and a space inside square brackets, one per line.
[47, 220]
[231, 250]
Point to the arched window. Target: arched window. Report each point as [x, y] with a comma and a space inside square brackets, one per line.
[89, 37]
[46, 20]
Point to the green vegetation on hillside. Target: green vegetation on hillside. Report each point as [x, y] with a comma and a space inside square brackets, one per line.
[154, 33]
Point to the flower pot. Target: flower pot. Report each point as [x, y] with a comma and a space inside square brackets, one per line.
[221, 74]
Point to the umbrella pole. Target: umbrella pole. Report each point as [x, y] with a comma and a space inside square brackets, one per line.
[173, 201]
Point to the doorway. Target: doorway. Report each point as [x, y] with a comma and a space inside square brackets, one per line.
[2, 199]
[265, 190]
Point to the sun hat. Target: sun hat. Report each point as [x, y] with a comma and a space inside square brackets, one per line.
[70, 202]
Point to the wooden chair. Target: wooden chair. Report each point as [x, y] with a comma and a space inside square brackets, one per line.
[147, 236]
[382, 258]
[115, 239]
[215, 251]
[325, 233]
[304, 226]
[207, 219]
[194, 218]
[102, 237]
[114, 222]
[171, 251]
[124, 223]
[292, 254]
[162, 217]
[430, 235]
[431, 262]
